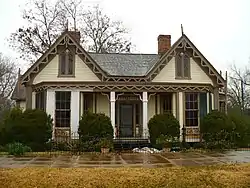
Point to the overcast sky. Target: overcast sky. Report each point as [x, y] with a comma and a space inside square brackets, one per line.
[220, 29]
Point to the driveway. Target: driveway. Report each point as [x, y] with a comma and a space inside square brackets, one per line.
[127, 160]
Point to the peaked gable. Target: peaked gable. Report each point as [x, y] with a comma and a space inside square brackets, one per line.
[65, 39]
[184, 43]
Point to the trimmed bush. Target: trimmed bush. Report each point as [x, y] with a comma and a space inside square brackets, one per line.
[217, 128]
[163, 124]
[93, 127]
[31, 127]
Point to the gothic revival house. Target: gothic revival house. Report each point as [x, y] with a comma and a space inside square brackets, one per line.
[66, 81]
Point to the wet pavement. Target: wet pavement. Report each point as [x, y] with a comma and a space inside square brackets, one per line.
[127, 160]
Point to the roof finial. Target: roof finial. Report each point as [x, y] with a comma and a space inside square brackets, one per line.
[182, 32]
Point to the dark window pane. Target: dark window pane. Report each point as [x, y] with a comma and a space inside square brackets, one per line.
[191, 109]
[178, 66]
[186, 65]
[87, 102]
[62, 112]
[166, 103]
[70, 64]
[40, 100]
[63, 63]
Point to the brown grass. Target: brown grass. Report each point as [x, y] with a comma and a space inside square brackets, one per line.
[211, 176]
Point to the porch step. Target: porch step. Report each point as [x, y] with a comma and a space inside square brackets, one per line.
[130, 143]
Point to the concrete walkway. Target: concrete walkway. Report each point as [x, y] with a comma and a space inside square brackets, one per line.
[127, 160]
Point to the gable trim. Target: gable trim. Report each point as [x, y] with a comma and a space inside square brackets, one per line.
[64, 39]
[184, 43]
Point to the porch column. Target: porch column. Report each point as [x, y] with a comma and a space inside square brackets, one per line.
[75, 107]
[208, 102]
[145, 113]
[112, 110]
[216, 98]
[212, 101]
[33, 100]
[50, 108]
[174, 104]
[181, 112]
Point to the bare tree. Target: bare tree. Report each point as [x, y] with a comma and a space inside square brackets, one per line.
[8, 75]
[46, 20]
[102, 34]
[72, 8]
[239, 90]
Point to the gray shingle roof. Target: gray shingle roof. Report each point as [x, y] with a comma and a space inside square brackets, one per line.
[125, 64]
[19, 93]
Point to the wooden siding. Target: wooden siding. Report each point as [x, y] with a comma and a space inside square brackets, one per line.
[50, 72]
[167, 74]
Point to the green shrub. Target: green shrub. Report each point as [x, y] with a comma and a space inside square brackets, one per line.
[104, 143]
[31, 127]
[241, 122]
[17, 149]
[216, 121]
[95, 126]
[217, 130]
[163, 124]
[92, 128]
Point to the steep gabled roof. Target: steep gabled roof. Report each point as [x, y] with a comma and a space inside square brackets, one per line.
[68, 39]
[184, 43]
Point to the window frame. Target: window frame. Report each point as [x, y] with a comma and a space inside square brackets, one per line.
[67, 53]
[60, 110]
[191, 110]
[182, 56]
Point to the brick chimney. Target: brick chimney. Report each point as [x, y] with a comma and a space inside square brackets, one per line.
[76, 35]
[164, 43]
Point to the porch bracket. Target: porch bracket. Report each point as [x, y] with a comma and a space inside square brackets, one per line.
[139, 95]
[152, 94]
[107, 95]
[118, 95]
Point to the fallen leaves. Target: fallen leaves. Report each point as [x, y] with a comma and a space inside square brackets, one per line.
[207, 176]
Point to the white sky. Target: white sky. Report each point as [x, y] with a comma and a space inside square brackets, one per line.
[220, 29]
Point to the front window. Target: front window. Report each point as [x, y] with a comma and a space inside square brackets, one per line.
[191, 109]
[66, 63]
[62, 112]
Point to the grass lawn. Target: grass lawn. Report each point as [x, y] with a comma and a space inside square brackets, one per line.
[211, 176]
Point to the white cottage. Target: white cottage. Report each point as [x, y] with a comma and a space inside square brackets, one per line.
[66, 81]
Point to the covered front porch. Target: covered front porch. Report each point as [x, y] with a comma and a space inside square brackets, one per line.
[129, 111]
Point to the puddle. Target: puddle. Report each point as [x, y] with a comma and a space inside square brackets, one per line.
[186, 163]
[21, 159]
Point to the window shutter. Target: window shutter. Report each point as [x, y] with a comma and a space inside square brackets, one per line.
[203, 105]
[62, 60]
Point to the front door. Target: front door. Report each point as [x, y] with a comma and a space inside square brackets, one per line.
[126, 120]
